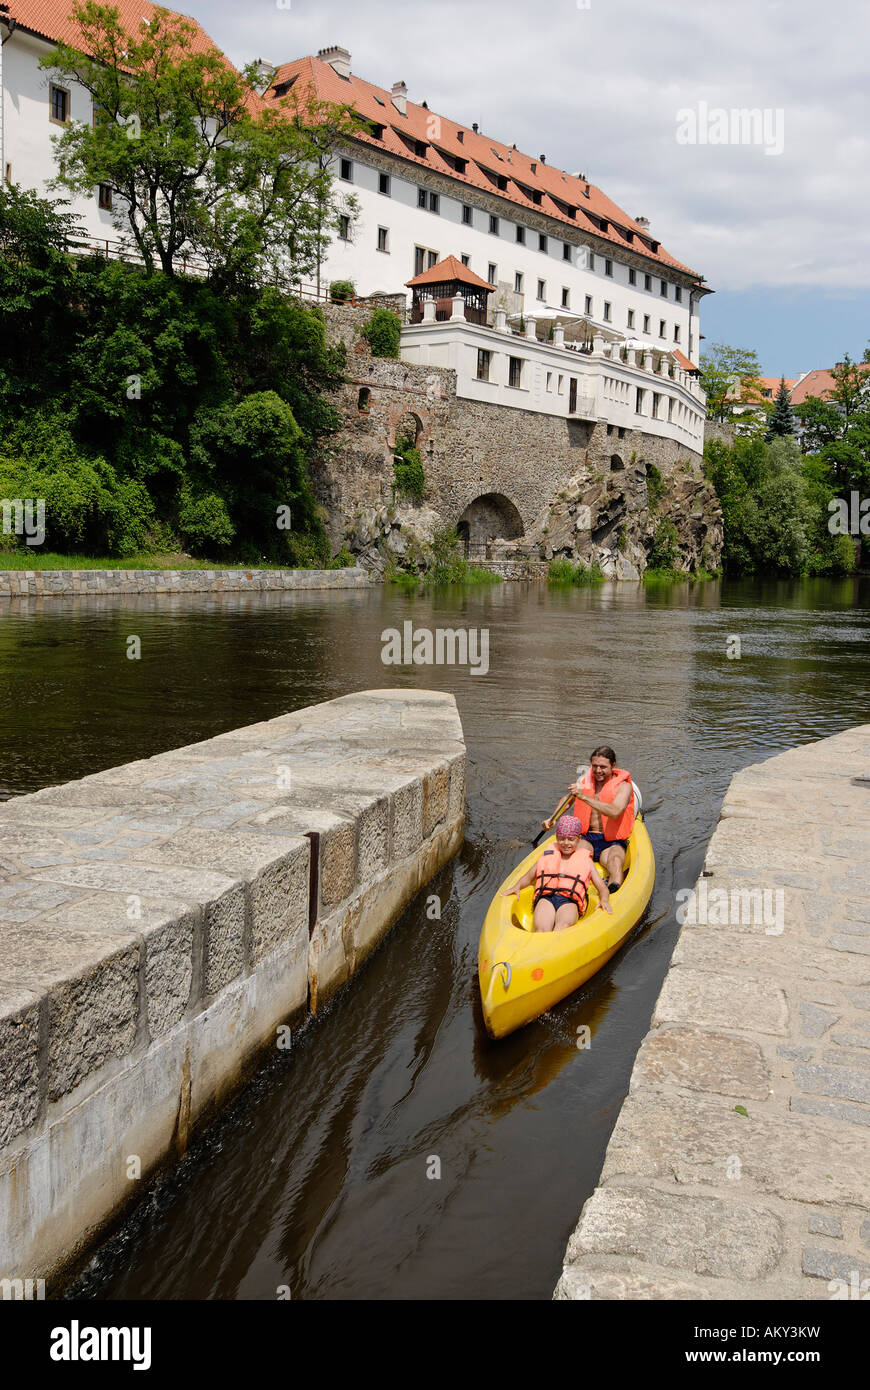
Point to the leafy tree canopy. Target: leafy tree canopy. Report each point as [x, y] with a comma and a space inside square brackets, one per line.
[200, 165]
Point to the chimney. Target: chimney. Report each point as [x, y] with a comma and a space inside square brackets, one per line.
[460, 134]
[337, 58]
[475, 127]
[265, 70]
[643, 222]
[400, 98]
[542, 158]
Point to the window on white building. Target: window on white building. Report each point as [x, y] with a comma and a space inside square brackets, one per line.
[491, 272]
[678, 293]
[431, 259]
[646, 327]
[565, 297]
[647, 282]
[466, 214]
[663, 328]
[630, 323]
[8, 173]
[655, 408]
[518, 283]
[663, 290]
[383, 239]
[515, 372]
[424, 259]
[542, 289]
[344, 226]
[347, 170]
[521, 235]
[608, 268]
[588, 308]
[434, 202]
[632, 276]
[566, 251]
[549, 381]
[384, 184]
[104, 196]
[493, 224]
[560, 389]
[58, 104]
[607, 311]
[542, 242]
[676, 332]
[466, 259]
[421, 197]
[638, 401]
[484, 360]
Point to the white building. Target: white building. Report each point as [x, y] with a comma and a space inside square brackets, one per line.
[556, 249]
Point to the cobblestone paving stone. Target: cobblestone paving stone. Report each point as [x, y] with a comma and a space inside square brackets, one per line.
[738, 1167]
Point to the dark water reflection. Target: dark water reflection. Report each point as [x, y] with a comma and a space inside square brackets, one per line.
[317, 1178]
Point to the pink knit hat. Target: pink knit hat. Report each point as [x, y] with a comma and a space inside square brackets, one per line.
[569, 826]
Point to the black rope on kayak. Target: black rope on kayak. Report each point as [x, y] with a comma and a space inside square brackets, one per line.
[506, 964]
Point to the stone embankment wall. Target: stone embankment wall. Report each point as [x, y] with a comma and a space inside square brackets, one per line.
[160, 922]
[523, 460]
[738, 1165]
[63, 583]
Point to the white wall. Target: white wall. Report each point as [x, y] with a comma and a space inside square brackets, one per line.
[28, 130]
[444, 232]
[606, 387]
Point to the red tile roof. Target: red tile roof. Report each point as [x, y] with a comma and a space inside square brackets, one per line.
[486, 160]
[684, 362]
[816, 383]
[51, 19]
[449, 269]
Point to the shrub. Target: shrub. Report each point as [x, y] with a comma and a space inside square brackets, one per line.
[665, 548]
[342, 290]
[204, 522]
[562, 571]
[410, 479]
[445, 561]
[655, 486]
[382, 333]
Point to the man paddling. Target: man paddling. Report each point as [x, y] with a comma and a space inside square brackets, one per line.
[604, 805]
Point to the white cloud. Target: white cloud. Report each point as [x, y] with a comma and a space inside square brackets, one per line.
[599, 89]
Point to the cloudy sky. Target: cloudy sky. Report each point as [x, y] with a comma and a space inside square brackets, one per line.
[632, 92]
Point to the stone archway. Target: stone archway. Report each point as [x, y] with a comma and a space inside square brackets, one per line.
[491, 516]
[409, 426]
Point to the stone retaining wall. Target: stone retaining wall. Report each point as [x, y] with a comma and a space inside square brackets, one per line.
[62, 583]
[738, 1166]
[160, 921]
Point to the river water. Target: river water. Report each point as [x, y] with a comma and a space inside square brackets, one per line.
[319, 1180]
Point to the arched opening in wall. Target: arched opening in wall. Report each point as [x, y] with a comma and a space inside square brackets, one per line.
[464, 537]
[489, 517]
[616, 463]
[409, 426]
[363, 399]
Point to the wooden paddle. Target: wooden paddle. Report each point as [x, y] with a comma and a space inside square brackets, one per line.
[567, 802]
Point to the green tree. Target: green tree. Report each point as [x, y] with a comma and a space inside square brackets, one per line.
[723, 369]
[199, 164]
[780, 421]
[383, 333]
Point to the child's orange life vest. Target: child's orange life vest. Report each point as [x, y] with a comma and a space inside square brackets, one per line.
[612, 828]
[566, 875]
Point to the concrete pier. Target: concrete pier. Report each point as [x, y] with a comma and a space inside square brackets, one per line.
[739, 1167]
[163, 922]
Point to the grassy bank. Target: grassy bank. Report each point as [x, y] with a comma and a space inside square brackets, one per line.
[37, 560]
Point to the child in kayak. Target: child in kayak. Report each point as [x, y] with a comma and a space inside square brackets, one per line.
[561, 878]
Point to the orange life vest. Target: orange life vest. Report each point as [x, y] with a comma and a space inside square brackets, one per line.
[612, 828]
[566, 875]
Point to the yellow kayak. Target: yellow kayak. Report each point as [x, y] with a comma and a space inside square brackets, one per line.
[523, 972]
